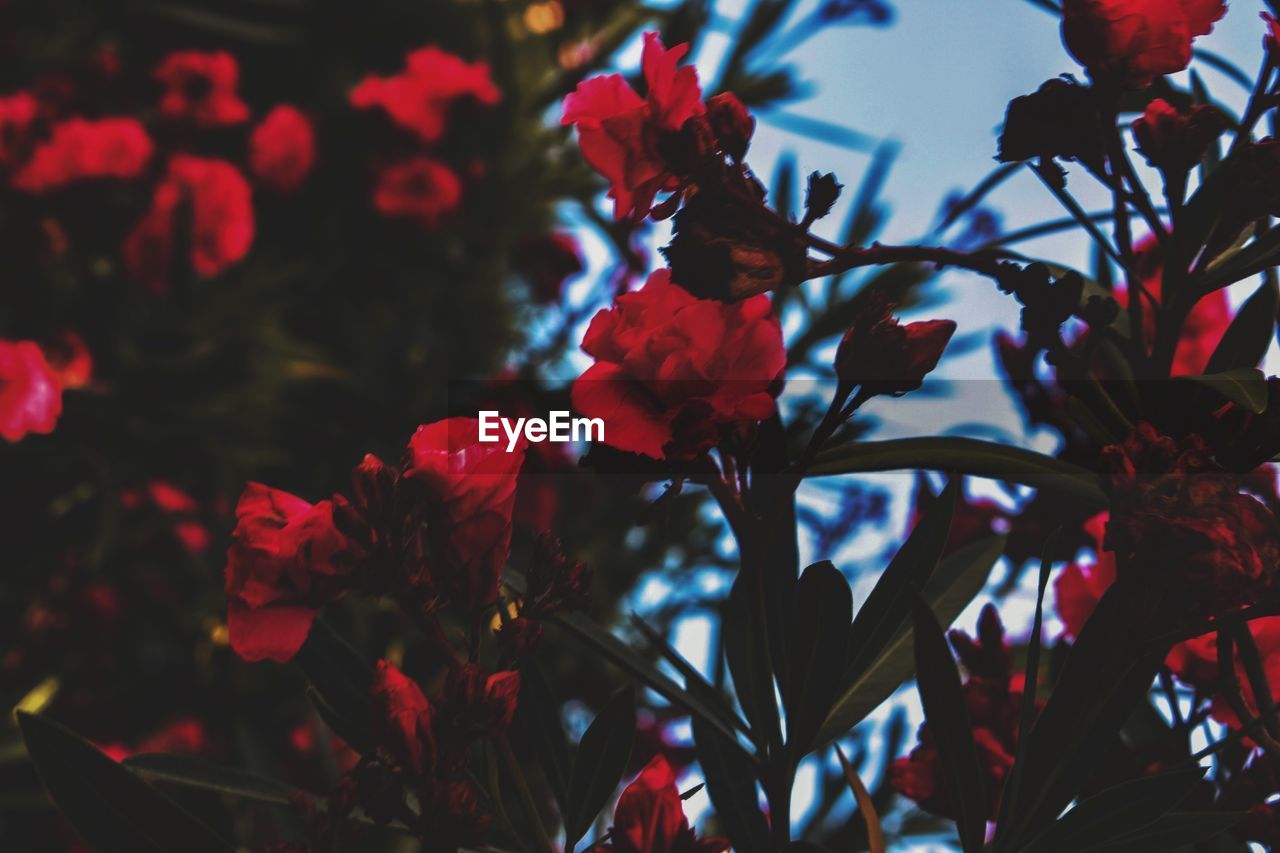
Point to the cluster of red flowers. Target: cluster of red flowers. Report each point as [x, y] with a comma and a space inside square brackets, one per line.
[419, 100]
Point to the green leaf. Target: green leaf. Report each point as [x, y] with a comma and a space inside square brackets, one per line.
[1117, 812]
[192, 772]
[820, 620]
[1178, 831]
[953, 585]
[942, 697]
[967, 456]
[602, 758]
[886, 608]
[1031, 680]
[1248, 338]
[747, 652]
[631, 661]
[112, 807]
[1107, 673]
[731, 785]
[694, 681]
[538, 722]
[340, 679]
[1244, 386]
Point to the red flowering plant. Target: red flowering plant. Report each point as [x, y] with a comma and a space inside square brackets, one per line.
[294, 258]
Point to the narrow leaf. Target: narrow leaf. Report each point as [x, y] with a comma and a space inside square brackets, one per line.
[1244, 386]
[1249, 336]
[112, 807]
[602, 758]
[875, 833]
[820, 620]
[731, 785]
[942, 697]
[193, 772]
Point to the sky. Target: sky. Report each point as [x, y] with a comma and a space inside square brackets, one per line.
[936, 82]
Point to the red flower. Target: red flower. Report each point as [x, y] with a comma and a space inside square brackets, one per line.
[1131, 42]
[420, 188]
[17, 113]
[286, 560]
[404, 718]
[420, 97]
[993, 698]
[672, 370]
[221, 215]
[885, 357]
[649, 817]
[1078, 587]
[30, 396]
[1181, 521]
[1173, 140]
[201, 88]
[471, 490]
[1196, 662]
[620, 133]
[480, 704]
[282, 149]
[83, 150]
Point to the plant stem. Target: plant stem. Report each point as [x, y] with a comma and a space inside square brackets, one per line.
[526, 798]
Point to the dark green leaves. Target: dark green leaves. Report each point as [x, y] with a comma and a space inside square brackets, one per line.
[967, 456]
[944, 710]
[193, 772]
[1244, 386]
[1117, 812]
[731, 785]
[109, 805]
[538, 722]
[340, 679]
[949, 590]
[1249, 336]
[820, 619]
[602, 758]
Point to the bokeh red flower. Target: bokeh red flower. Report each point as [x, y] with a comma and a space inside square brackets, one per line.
[201, 87]
[282, 149]
[30, 396]
[81, 149]
[421, 96]
[421, 188]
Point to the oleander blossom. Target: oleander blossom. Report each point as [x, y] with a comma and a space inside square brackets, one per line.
[282, 149]
[421, 189]
[649, 817]
[420, 98]
[30, 396]
[621, 134]
[81, 150]
[1131, 42]
[287, 559]
[470, 495]
[1181, 521]
[214, 199]
[672, 371]
[201, 87]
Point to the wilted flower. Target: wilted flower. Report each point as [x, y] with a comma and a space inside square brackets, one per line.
[1060, 119]
[732, 125]
[672, 370]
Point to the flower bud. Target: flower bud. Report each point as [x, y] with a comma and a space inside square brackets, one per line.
[1173, 141]
[732, 125]
[1060, 119]
[885, 357]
